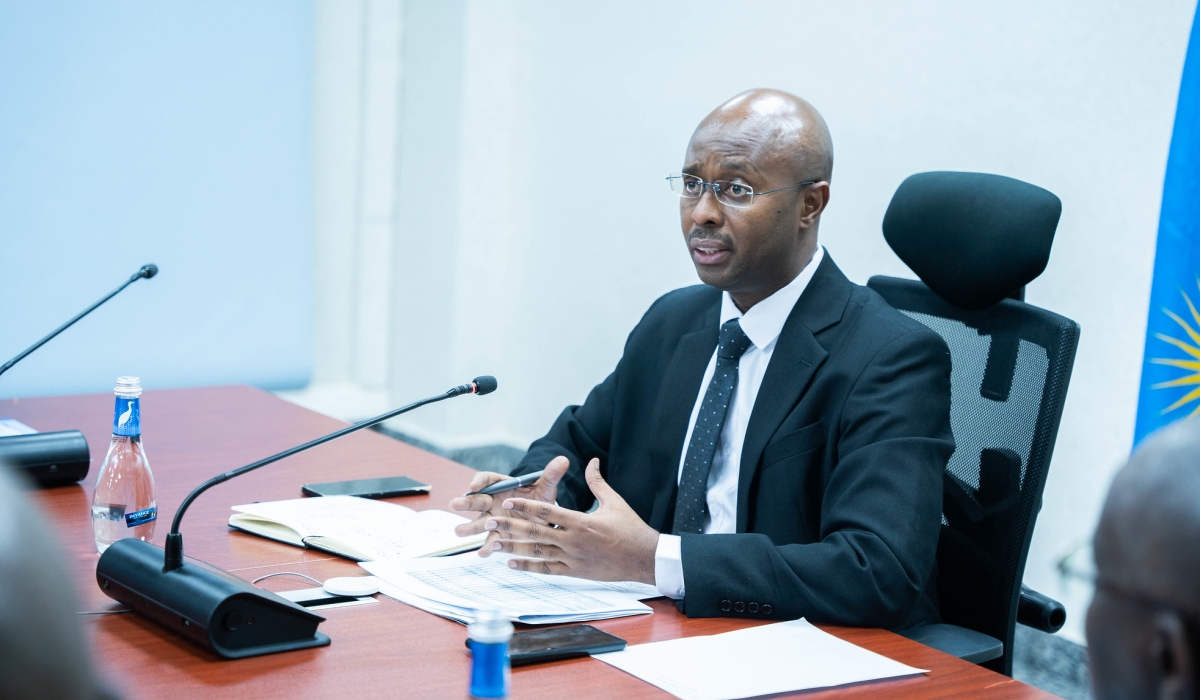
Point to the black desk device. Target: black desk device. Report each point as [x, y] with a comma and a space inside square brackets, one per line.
[47, 459]
[384, 487]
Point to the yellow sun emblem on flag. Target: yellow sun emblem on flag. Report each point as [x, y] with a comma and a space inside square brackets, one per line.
[1193, 351]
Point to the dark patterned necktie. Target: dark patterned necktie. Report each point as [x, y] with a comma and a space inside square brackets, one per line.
[691, 505]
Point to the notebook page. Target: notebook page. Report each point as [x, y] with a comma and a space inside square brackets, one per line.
[415, 534]
[378, 529]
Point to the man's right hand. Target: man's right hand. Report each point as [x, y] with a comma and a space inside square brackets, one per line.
[545, 489]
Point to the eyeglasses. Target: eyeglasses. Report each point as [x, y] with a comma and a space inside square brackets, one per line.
[727, 192]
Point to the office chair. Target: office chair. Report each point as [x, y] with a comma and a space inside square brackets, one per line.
[976, 240]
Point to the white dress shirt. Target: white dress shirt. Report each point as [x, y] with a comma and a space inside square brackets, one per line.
[762, 324]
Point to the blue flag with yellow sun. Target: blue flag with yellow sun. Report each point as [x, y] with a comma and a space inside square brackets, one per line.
[1170, 386]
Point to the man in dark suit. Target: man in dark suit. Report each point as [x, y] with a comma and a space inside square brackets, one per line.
[771, 444]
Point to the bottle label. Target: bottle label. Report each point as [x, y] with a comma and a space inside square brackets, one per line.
[141, 517]
[127, 417]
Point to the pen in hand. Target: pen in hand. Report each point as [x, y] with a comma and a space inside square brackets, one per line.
[507, 484]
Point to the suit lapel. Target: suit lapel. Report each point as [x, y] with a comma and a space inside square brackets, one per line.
[680, 387]
[795, 360]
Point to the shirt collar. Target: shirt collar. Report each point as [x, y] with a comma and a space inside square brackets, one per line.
[763, 323]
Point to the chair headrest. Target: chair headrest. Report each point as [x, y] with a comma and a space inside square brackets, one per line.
[973, 238]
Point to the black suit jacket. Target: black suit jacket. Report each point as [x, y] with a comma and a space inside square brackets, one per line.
[840, 490]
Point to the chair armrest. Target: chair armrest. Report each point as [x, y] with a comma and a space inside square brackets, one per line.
[1039, 612]
[964, 643]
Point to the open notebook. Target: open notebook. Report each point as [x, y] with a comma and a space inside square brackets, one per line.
[356, 528]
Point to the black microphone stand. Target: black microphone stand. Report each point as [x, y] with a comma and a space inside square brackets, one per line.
[173, 558]
[211, 607]
[146, 272]
[58, 458]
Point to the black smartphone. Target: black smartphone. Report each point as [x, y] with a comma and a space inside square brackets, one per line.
[368, 488]
[568, 642]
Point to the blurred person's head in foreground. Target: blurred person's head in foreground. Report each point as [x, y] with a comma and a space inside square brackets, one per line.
[1143, 627]
[42, 649]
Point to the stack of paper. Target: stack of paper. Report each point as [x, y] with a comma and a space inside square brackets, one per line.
[780, 658]
[455, 587]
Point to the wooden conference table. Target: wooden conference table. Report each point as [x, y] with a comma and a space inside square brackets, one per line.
[380, 650]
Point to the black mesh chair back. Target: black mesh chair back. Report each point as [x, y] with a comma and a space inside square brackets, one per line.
[1011, 364]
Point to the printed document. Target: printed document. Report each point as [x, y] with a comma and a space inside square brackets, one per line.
[779, 658]
[454, 587]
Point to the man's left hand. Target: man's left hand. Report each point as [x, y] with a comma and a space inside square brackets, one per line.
[609, 544]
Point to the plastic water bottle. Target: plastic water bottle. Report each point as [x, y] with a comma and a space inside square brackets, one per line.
[123, 504]
[489, 635]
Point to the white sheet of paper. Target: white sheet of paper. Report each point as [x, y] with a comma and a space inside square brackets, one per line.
[12, 426]
[779, 658]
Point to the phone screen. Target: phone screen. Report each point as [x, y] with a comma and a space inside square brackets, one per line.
[368, 488]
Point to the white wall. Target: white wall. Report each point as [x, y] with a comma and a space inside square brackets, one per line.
[533, 226]
[356, 124]
[174, 133]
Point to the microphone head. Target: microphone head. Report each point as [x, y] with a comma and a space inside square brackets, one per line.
[484, 385]
[148, 271]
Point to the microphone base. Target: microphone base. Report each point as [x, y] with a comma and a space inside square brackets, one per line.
[204, 604]
[47, 459]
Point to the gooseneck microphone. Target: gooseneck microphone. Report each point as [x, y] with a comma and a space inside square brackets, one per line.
[479, 386]
[173, 558]
[212, 607]
[146, 272]
[58, 458]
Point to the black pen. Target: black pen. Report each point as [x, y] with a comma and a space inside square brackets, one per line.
[507, 484]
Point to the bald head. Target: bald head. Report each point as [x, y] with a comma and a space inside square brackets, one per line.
[775, 145]
[1142, 627]
[1148, 540]
[780, 125]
